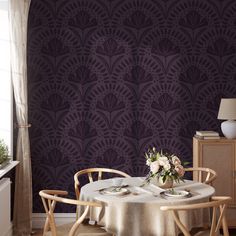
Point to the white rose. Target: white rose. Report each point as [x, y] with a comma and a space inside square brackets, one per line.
[154, 167]
[163, 160]
[167, 166]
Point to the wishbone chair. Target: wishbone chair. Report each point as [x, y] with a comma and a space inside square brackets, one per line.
[217, 220]
[91, 173]
[50, 198]
[202, 174]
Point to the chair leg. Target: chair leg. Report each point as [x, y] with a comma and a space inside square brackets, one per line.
[49, 208]
[77, 213]
[225, 226]
[46, 226]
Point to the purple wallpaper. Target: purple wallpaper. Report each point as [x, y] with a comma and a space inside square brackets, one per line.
[110, 78]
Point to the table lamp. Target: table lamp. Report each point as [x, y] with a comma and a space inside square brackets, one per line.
[227, 111]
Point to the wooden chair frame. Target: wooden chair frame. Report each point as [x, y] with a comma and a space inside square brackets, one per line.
[50, 198]
[89, 173]
[202, 174]
[219, 202]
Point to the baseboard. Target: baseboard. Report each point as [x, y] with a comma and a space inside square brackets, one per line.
[9, 231]
[38, 219]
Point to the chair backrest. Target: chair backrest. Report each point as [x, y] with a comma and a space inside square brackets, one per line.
[217, 204]
[50, 198]
[202, 174]
[92, 173]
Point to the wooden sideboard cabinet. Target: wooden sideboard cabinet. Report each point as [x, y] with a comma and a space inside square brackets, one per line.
[219, 155]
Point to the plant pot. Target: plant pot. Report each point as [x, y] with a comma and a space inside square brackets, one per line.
[167, 184]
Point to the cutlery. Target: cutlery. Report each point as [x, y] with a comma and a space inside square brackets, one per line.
[117, 188]
[100, 189]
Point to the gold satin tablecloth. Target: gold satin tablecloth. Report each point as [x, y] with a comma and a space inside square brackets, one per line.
[138, 213]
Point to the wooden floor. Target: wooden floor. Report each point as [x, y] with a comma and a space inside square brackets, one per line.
[38, 232]
[232, 232]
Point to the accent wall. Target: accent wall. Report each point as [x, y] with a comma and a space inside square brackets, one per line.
[108, 79]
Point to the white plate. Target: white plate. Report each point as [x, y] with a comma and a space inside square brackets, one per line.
[114, 191]
[176, 193]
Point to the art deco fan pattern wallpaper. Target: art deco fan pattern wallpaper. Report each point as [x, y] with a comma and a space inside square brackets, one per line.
[109, 78]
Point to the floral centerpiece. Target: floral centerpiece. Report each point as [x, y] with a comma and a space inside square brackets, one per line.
[164, 166]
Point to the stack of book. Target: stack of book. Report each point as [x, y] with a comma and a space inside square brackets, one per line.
[207, 135]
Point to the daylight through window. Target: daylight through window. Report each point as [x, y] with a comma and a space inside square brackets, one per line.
[5, 78]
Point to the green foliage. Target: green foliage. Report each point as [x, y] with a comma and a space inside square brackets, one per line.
[4, 154]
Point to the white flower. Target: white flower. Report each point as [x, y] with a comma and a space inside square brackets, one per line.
[175, 160]
[148, 162]
[167, 166]
[163, 160]
[154, 167]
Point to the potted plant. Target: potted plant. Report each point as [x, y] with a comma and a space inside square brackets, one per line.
[4, 154]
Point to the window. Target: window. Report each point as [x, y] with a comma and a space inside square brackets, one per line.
[5, 78]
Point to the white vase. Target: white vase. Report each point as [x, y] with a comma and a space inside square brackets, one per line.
[167, 184]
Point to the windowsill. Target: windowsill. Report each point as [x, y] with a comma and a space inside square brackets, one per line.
[8, 167]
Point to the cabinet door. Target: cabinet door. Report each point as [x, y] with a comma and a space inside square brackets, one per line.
[5, 206]
[220, 157]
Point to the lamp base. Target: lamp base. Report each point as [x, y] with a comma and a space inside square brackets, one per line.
[229, 129]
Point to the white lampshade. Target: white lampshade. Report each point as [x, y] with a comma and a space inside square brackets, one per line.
[227, 111]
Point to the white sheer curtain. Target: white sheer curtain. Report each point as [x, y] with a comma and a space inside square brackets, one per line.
[18, 17]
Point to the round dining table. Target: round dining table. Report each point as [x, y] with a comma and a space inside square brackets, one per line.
[137, 211]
